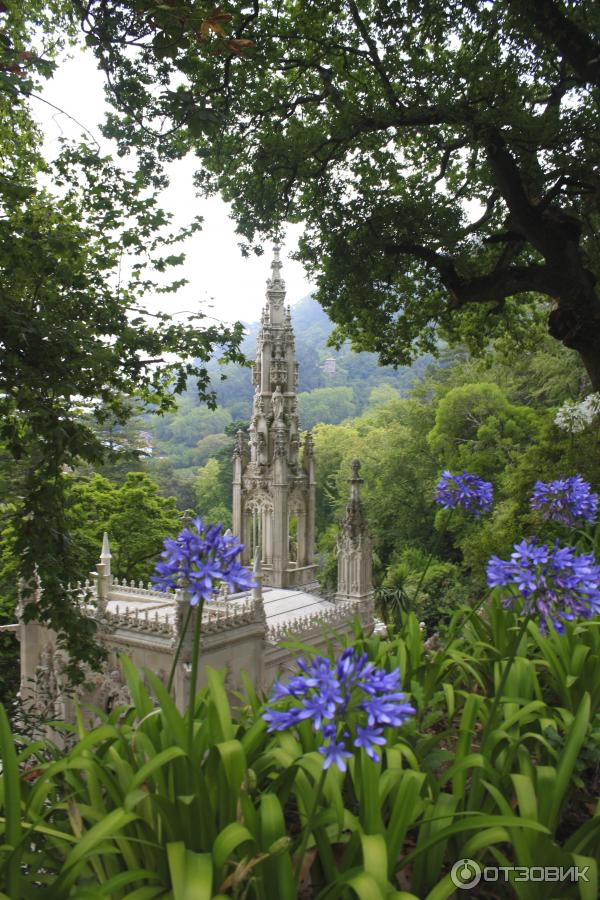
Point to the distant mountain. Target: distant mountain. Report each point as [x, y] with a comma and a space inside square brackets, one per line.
[359, 371]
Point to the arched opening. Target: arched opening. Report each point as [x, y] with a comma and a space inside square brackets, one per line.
[293, 533]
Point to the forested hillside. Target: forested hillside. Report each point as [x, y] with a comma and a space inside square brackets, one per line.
[191, 436]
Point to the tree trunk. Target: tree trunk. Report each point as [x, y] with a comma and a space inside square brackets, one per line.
[577, 326]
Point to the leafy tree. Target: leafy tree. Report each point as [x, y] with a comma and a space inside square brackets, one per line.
[443, 156]
[333, 444]
[211, 445]
[72, 331]
[326, 405]
[135, 515]
[190, 428]
[172, 482]
[477, 428]
[213, 491]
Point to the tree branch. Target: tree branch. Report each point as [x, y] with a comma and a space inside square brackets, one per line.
[373, 53]
[577, 46]
[493, 287]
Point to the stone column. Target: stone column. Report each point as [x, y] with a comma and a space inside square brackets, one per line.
[247, 539]
[302, 543]
[265, 385]
[32, 635]
[309, 468]
[237, 503]
[268, 537]
[280, 535]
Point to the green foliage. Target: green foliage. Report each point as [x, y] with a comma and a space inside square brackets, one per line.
[76, 339]
[331, 405]
[131, 809]
[212, 487]
[436, 197]
[477, 426]
[135, 516]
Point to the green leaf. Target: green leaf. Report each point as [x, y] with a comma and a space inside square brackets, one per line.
[191, 873]
[568, 758]
[161, 759]
[107, 828]
[12, 805]
[228, 840]
[375, 858]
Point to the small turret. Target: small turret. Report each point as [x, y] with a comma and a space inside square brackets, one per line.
[354, 548]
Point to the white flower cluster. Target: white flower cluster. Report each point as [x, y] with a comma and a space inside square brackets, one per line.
[575, 417]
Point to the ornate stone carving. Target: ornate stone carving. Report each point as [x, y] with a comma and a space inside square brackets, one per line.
[277, 404]
[309, 447]
[238, 447]
[262, 449]
[280, 445]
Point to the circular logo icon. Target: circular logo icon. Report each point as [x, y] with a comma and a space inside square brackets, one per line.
[465, 874]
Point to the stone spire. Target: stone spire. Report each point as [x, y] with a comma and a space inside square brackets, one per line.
[273, 488]
[103, 576]
[105, 554]
[354, 548]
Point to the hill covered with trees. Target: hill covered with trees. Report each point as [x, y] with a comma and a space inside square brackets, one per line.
[334, 385]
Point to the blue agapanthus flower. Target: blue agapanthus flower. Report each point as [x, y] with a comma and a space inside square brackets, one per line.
[470, 492]
[198, 560]
[556, 581]
[565, 500]
[349, 702]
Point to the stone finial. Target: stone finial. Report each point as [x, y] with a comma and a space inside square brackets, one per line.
[308, 444]
[105, 554]
[275, 287]
[256, 594]
[276, 264]
[355, 482]
[238, 447]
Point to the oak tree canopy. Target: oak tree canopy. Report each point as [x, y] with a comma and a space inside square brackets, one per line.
[444, 157]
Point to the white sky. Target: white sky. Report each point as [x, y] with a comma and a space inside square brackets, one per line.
[218, 275]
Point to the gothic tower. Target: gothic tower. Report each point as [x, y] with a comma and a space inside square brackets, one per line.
[273, 481]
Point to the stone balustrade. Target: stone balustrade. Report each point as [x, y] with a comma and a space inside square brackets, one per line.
[139, 620]
[339, 615]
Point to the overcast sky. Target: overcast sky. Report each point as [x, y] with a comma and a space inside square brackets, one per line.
[218, 274]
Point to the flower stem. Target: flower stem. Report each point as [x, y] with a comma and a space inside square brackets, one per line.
[308, 828]
[436, 547]
[498, 694]
[194, 673]
[178, 651]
